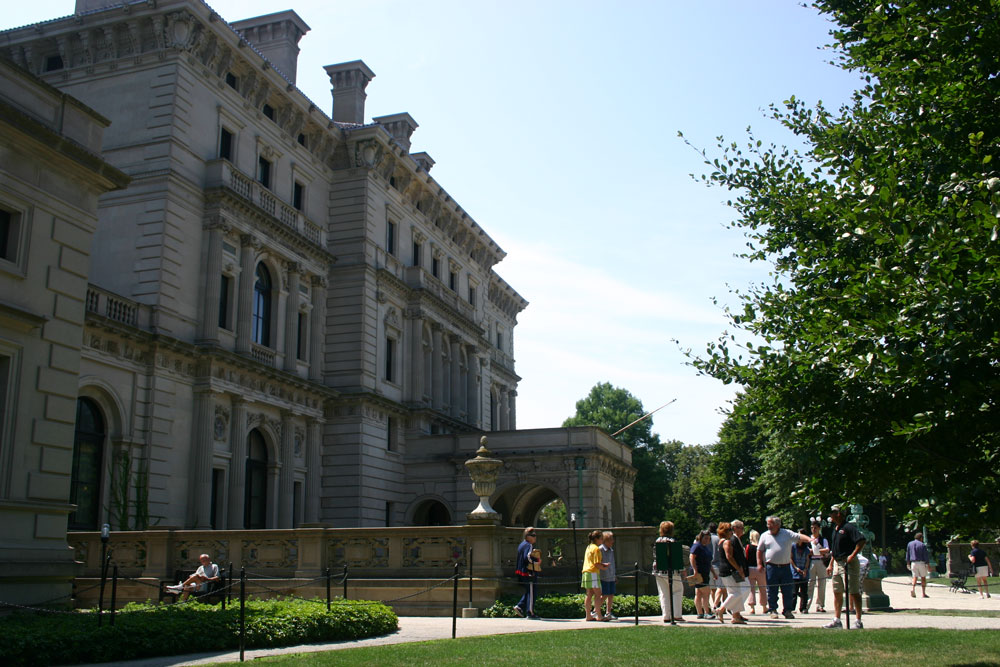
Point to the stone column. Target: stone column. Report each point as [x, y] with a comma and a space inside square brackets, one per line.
[286, 486]
[237, 464]
[314, 465]
[437, 381]
[457, 386]
[244, 300]
[512, 407]
[416, 360]
[472, 386]
[317, 330]
[292, 319]
[213, 283]
[200, 476]
[504, 409]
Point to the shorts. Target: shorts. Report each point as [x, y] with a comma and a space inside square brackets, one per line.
[919, 569]
[982, 570]
[590, 580]
[607, 587]
[853, 573]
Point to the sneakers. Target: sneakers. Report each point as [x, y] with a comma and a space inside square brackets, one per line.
[774, 616]
[518, 611]
[789, 615]
[610, 617]
[835, 623]
[178, 588]
[858, 625]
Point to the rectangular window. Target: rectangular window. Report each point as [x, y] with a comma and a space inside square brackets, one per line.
[218, 500]
[390, 442]
[390, 237]
[53, 63]
[416, 254]
[225, 286]
[301, 139]
[499, 339]
[472, 295]
[300, 349]
[264, 172]
[5, 380]
[232, 81]
[268, 111]
[298, 190]
[296, 504]
[6, 233]
[226, 144]
[436, 267]
[390, 353]
[388, 514]
[453, 281]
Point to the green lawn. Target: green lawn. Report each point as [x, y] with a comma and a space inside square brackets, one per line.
[646, 645]
[985, 613]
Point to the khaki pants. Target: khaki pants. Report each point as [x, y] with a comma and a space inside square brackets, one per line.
[817, 583]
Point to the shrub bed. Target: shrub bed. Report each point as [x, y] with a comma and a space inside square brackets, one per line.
[144, 630]
[571, 606]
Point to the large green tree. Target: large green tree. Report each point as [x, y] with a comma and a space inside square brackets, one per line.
[612, 408]
[874, 355]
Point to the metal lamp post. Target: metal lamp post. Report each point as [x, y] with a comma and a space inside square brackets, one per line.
[105, 536]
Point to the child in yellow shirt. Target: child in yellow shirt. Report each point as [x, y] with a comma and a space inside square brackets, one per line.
[591, 581]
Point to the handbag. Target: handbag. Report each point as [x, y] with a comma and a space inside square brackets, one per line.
[694, 578]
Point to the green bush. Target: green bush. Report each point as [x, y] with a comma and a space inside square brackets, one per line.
[571, 606]
[143, 630]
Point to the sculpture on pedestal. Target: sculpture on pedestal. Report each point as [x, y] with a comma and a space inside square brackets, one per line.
[484, 471]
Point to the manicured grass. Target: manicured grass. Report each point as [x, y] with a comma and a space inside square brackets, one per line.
[648, 645]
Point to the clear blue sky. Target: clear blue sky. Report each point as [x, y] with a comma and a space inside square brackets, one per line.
[554, 125]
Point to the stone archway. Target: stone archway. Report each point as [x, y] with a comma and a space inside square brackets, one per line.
[519, 504]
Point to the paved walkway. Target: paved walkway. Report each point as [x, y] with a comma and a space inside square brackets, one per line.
[416, 629]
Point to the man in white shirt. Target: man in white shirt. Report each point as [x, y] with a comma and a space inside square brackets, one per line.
[774, 555]
[198, 582]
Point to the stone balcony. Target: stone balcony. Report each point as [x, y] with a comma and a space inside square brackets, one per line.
[222, 173]
[117, 308]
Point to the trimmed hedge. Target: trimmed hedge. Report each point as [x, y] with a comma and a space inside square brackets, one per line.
[144, 631]
[571, 606]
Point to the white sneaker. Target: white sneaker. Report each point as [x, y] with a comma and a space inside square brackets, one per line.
[858, 625]
[179, 588]
[835, 623]
[611, 617]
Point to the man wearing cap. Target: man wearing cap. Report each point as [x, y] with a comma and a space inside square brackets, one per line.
[526, 573]
[845, 547]
[774, 556]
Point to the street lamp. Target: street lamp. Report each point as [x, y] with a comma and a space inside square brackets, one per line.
[105, 536]
[576, 553]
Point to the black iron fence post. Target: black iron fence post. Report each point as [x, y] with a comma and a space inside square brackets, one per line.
[328, 589]
[225, 587]
[637, 593]
[243, 612]
[229, 591]
[114, 592]
[345, 581]
[469, 565]
[454, 601]
[106, 558]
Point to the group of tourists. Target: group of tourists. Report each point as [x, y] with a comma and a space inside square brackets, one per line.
[725, 572]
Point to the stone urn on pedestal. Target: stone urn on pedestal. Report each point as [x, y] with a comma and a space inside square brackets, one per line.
[484, 470]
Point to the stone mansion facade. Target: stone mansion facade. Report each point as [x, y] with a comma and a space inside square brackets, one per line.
[281, 303]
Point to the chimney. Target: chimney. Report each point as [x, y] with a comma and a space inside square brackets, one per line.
[400, 126]
[348, 82]
[277, 37]
[424, 160]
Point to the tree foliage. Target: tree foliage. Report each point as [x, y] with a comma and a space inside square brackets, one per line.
[612, 408]
[875, 351]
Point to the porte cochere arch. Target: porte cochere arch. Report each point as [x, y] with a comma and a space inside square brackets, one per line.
[583, 466]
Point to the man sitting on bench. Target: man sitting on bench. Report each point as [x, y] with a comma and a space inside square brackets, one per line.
[197, 582]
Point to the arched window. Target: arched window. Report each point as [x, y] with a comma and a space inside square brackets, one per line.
[262, 306]
[88, 456]
[255, 500]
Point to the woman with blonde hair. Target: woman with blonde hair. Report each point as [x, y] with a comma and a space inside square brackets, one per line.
[666, 578]
[757, 578]
[733, 570]
[701, 563]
